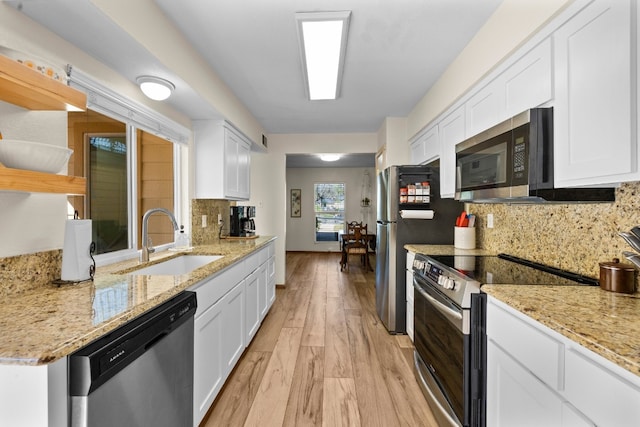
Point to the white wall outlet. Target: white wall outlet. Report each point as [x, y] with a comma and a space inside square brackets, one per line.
[490, 220]
[204, 221]
[219, 219]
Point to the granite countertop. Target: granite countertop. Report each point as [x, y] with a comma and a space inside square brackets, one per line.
[606, 323]
[43, 325]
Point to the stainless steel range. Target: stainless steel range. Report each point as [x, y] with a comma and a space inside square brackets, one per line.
[449, 325]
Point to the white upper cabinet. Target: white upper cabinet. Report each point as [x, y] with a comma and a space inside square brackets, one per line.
[486, 108]
[528, 82]
[594, 110]
[426, 147]
[524, 84]
[452, 131]
[222, 159]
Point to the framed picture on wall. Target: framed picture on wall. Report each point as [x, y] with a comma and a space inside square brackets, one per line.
[296, 207]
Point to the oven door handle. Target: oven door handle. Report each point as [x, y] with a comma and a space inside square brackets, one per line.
[447, 311]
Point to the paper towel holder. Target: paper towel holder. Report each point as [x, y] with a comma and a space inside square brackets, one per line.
[92, 268]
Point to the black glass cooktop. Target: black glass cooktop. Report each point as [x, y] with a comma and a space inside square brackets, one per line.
[507, 269]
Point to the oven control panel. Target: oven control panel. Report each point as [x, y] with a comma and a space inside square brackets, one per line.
[435, 274]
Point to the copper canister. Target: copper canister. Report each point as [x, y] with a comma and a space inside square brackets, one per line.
[617, 277]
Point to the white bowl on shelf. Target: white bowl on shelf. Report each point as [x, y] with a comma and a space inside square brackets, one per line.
[34, 156]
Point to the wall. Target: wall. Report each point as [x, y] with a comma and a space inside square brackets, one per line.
[301, 231]
[392, 135]
[268, 179]
[574, 237]
[32, 222]
[146, 22]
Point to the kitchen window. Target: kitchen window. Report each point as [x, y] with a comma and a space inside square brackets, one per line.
[329, 211]
[108, 153]
[131, 157]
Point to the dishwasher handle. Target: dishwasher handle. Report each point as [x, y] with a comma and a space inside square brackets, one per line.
[99, 361]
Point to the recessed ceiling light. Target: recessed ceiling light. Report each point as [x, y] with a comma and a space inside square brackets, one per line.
[328, 157]
[155, 88]
[322, 37]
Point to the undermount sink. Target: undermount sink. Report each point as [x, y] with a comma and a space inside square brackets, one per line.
[175, 266]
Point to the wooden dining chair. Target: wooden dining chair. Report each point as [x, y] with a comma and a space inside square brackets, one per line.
[357, 243]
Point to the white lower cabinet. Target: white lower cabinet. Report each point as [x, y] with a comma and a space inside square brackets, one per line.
[410, 292]
[515, 397]
[233, 312]
[252, 299]
[208, 365]
[537, 377]
[231, 307]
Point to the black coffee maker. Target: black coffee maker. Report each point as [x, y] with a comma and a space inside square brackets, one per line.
[241, 221]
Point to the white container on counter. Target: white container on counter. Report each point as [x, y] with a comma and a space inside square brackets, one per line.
[464, 237]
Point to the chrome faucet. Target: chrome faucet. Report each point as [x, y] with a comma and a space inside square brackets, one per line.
[146, 247]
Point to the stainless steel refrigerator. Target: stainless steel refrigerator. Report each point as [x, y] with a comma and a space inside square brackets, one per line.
[394, 188]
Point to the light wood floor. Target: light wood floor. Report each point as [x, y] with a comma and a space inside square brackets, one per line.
[323, 358]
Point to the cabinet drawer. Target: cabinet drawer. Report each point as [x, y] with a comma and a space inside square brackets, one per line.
[263, 256]
[540, 353]
[272, 249]
[211, 290]
[252, 262]
[599, 393]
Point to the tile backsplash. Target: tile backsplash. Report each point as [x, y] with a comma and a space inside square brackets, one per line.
[574, 237]
[211, 208]
[25, 272]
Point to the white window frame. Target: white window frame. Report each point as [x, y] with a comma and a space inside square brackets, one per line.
[344, 211]
[135, 116]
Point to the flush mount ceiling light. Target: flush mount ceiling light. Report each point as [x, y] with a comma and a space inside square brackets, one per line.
[155, 88]
[322, 38]
[327, 157]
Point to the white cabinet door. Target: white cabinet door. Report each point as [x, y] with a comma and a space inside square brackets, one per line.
[263, 285]
[571, 417]
[426, 147]
[233, 318]
[602, 395]
[244, 170]
[452, 131]
[525, 84]
[593, 112]
[431, 146]
[528, 82]
[410, 293]
[271, 284]
[515, 397]
[486, 108]
[218, 344]
[222, 159]
[417, 152]
[208, 368]
[252, 305]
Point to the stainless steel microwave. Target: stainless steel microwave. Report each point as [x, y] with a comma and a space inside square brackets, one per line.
[512, 162]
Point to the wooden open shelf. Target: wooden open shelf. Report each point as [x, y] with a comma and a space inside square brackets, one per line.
[27, 88]
[39, 182]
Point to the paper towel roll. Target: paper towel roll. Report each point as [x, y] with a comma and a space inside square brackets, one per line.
[76, 256]
[417, 214]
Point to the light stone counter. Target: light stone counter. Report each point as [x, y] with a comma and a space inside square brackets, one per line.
[606, 323]
[42, 325]
[444, 250]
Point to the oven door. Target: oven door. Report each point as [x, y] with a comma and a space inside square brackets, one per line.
[442, 342]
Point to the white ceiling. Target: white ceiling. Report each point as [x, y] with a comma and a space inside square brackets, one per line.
[396, 50]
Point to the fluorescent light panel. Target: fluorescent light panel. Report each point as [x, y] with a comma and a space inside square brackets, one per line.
[322, 37]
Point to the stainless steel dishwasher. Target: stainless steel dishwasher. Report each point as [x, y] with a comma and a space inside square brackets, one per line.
[139, 375]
